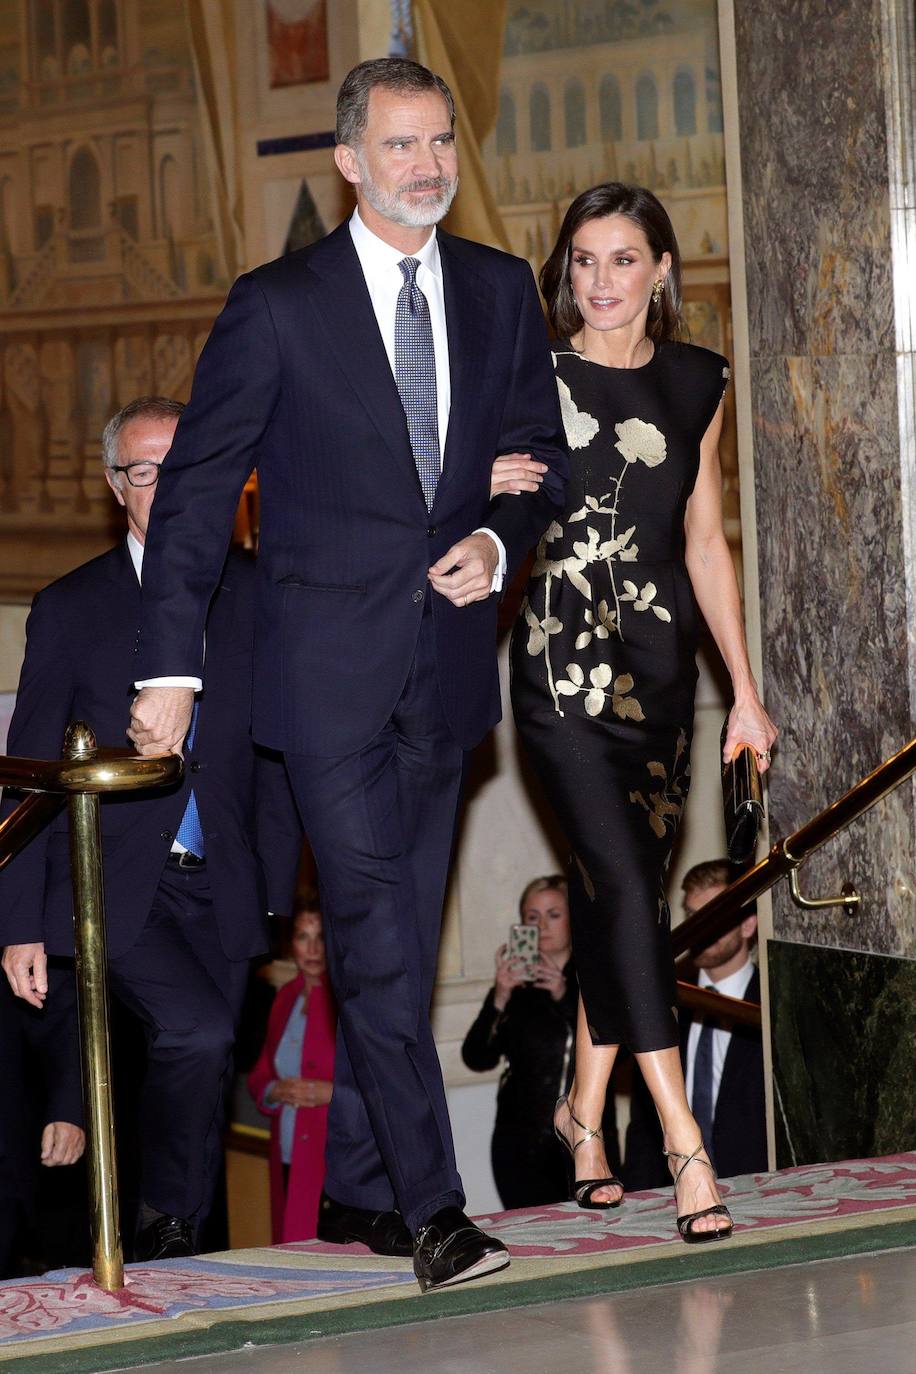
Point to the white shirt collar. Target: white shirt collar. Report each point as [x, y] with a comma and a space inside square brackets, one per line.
[135, 549]
[735, 985]
[375, 255]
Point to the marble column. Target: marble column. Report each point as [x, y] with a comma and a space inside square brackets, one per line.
[826, 155]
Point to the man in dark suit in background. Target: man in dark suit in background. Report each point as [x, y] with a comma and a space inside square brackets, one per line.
[372, 378]
[185, 894]
[723, 1064]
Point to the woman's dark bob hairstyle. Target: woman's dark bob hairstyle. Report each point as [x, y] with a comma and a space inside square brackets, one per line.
[665, 321]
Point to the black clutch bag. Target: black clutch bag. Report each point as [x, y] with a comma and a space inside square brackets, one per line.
[742, 796]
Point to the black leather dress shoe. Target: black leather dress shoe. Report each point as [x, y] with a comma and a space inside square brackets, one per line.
[165, 1238]
[449, 1249]
[384, 1232]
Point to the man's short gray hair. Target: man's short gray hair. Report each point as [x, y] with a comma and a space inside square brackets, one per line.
[395, 74]
[143, 408]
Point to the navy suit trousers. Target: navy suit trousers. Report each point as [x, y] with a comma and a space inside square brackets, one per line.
[381, 825]
[188, 995]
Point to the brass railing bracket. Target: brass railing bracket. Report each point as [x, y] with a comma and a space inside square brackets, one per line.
[724, 911]
[849, 897]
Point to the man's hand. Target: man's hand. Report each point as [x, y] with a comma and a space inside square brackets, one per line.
[26, 969]
[61, 1143]
[465, 573]
[160, 718]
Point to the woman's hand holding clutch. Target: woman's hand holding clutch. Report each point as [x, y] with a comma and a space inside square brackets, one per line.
[748, 723]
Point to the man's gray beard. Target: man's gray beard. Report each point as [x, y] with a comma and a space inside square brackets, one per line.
[391, 207]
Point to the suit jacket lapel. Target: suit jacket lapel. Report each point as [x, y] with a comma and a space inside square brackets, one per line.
[341, 300]
[467, 311]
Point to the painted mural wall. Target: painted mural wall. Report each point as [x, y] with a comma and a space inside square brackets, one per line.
[109, 269]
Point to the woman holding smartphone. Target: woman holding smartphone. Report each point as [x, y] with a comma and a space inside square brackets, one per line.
[528, 1018]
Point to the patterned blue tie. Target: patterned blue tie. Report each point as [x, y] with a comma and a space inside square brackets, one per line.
[415, 374]
[190, 832]
[702, 1085]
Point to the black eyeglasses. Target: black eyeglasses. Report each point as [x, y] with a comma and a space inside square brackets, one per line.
[139, 474]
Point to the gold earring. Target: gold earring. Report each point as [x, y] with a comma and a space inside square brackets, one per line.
[657, 290]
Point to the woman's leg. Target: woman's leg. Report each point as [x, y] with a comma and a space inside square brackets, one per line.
[697, 1187]
[586, 1101]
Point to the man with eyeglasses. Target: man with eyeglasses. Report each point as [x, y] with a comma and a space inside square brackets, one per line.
[186, 895]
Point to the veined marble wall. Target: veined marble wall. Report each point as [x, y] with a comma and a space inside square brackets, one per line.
[832, 468]
[825, 98]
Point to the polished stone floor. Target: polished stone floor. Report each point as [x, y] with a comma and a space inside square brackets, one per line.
[849, 1316]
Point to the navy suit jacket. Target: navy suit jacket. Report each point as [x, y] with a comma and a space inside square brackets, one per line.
[295, 381]
[739, 1136]
[80, 664]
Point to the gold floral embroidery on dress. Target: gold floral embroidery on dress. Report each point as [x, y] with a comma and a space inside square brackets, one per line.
[598, 628]
[666, 796]
[637, 441]
[580, 427]
[596, 693]
[642, 598]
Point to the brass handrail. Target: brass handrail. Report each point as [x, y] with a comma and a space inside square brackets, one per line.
[107, 770]
[25, 822]
[723, 912]
[77, 780]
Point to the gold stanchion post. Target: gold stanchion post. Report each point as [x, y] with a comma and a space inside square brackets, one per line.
[92, 985]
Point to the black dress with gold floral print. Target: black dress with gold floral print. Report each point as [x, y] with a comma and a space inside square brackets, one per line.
[604, 672]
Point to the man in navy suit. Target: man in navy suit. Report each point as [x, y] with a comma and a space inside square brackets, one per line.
[723, 1064]
[372, 378]
[186, 896]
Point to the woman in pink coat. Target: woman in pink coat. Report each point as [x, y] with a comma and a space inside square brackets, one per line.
[292, 1081]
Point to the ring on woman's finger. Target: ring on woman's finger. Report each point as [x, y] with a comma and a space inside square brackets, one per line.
[765, 756]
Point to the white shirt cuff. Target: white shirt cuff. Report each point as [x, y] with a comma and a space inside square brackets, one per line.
[500, 575]
[194, 682]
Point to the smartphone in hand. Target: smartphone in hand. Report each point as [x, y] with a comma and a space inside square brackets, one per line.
[524, 945]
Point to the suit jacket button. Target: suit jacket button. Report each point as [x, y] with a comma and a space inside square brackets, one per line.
[195, 767]
[433, 530]
[417, 598]
[166, 835]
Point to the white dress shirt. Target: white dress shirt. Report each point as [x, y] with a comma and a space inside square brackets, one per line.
[384, 281]
[735, 985]
[135, 549]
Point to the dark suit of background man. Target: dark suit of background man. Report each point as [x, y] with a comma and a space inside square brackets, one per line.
[184, 893]
[723, 1064]
[373, 402]
[41, 1097]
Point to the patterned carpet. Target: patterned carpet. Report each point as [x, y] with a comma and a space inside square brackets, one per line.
[62, 1322]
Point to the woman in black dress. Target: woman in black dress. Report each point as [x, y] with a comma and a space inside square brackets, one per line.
[531, 1023]
[603, 654]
